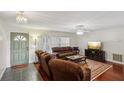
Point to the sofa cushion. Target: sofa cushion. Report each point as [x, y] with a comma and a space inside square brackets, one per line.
[65, 54]
[58, 49]
[62, 52]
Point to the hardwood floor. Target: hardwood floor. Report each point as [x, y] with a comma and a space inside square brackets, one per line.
[27, 73]
[116, 73]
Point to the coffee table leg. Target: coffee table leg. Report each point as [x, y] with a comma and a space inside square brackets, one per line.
[85, 60]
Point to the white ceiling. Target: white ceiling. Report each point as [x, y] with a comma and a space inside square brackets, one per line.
[67, 20]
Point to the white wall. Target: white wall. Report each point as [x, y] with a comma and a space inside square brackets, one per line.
[40, 33]
[73, 40]
[2, 64]
[112, 40]
[3, 60]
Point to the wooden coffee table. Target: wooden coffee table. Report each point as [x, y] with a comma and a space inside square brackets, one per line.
[76, 58]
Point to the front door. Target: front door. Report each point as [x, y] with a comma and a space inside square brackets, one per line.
[19, 48]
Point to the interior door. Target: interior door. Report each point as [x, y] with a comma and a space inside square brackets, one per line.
[19, 48]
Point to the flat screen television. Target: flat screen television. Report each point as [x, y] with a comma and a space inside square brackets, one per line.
[94, 45]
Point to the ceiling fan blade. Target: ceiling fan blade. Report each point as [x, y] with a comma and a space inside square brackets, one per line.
[85, 31]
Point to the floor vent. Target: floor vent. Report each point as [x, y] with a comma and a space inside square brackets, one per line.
[117, 57]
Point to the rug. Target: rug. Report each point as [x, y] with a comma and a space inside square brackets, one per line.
[97, 68]
[20, 66]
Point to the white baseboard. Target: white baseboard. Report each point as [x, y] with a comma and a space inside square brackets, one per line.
[2, 72]
[115, 62]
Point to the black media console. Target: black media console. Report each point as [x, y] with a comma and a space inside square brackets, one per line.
[95, 54]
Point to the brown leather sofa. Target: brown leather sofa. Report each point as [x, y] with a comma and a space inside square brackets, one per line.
[62, 52]
[63, 70]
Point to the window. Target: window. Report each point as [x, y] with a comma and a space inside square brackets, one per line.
[64, 41]
[55, 41]
[60, 41]
[20, 38]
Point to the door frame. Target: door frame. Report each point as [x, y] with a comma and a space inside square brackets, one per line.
[11, 64]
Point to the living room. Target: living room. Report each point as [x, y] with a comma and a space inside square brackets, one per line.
[79, 42]
[45, 30]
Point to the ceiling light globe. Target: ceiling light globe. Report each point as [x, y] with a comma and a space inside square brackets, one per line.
[79, 33]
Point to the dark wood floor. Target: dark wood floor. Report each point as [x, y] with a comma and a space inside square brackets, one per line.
[28, 73]
[116, 73]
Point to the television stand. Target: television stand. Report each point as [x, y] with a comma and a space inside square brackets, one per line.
[95, 54]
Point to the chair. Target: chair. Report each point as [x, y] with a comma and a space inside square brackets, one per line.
[63, 70]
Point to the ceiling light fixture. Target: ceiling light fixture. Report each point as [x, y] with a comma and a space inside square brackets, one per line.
[20, 17]
[80, 30]
[79, 33]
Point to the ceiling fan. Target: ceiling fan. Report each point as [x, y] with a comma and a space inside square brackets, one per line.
[80, 30]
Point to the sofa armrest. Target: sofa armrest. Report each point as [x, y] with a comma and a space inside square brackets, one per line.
[86, 74]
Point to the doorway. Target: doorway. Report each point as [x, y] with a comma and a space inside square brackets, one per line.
[19, 48]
